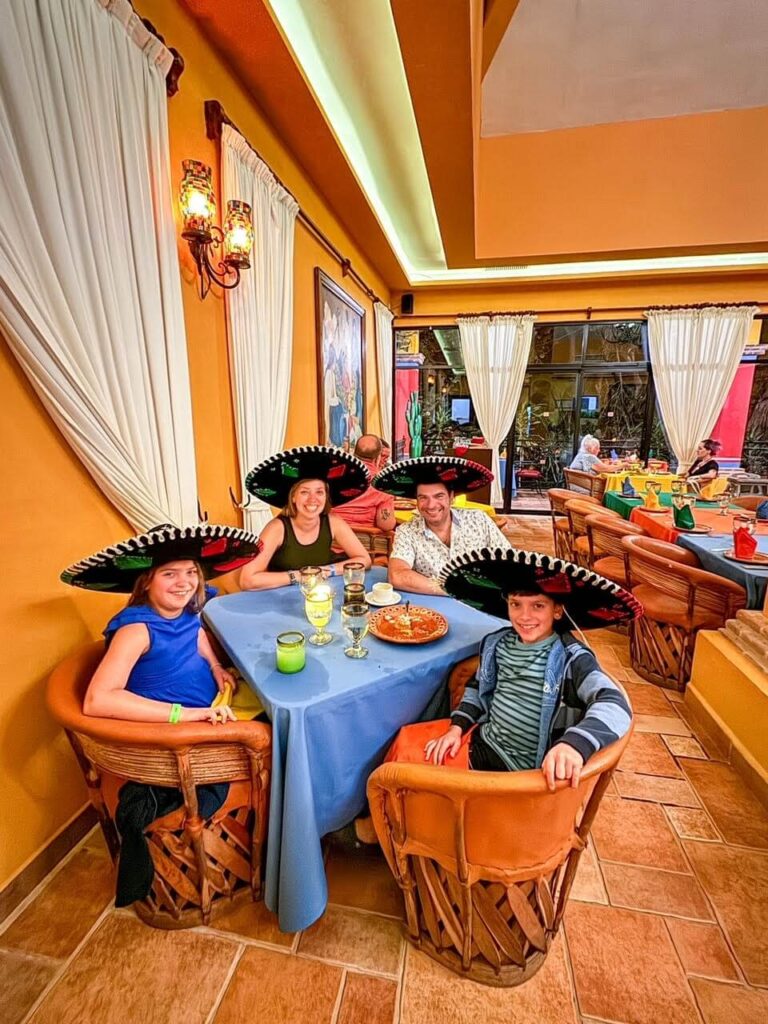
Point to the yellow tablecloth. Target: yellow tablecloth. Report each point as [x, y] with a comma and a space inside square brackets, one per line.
[403, 515]
[615, 481]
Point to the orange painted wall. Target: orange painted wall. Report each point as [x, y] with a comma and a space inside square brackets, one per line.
[54, 513]
[639, 186]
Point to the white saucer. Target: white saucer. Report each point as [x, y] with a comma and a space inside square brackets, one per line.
[396, 598]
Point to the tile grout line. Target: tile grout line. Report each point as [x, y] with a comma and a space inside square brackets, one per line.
[339, 997]
[399, 991]
[236, 958]
[66, 964]
[366, 911]
[354, 968]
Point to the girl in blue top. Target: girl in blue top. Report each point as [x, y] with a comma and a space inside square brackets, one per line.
[159, 665]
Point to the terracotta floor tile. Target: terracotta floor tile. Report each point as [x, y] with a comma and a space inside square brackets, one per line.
[24, 978]
[128, 973]
[693, 823]
[625, 968]
[736, 882]
[56, 922]
[367, 999]
[280, 989]
[729, 1004]
[632, 832]
[361, 878]
[646, 754]
[362, 940]
[434, 995]
[668, 725]
[736, 811]
[647, 699]
[665, 892]
[702, 949]
[716, 749]
[656, 788]
[588, 884]
[253, 921]
[674, 697]
[685, 746]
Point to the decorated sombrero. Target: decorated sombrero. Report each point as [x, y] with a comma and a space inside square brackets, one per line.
[273, 478]
[483, 579]
[459, 475]
[217, 549]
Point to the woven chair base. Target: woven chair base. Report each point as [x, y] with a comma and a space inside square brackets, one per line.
[563, 541]
[155, 916]
[661, 653]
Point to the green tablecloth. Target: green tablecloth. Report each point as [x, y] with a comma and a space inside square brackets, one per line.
[618, 503]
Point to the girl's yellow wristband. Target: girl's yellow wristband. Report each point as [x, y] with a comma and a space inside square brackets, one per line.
[175, 714]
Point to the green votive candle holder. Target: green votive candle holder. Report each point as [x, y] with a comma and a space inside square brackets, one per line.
[290, 653]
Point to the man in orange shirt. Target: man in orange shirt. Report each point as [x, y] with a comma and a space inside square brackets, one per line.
[372, 507]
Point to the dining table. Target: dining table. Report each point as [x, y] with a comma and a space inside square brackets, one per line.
[625, 506]
[662, 526]
[710, 551]
[615, 481]
[332, 722]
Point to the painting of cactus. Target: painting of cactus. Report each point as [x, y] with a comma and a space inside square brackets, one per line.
[414, 419]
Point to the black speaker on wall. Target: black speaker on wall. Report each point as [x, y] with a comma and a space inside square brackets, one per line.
[406, 303]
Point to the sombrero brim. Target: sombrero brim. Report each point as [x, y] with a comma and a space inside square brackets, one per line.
[482, 579]
[273, 478]
[459, 475]
[217, 549]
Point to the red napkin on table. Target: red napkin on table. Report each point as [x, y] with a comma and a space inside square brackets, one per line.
[744, 544]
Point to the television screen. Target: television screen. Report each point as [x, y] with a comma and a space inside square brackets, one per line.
[460, 410]
[589, 403]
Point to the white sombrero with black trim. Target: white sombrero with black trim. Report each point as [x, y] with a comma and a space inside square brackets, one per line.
[273, 478]
[482, 579]
[217, 549]
[460, 476]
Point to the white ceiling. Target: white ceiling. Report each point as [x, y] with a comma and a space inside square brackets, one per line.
[566, 63]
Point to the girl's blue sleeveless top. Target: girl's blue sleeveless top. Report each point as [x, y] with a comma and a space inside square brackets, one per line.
[172, 669]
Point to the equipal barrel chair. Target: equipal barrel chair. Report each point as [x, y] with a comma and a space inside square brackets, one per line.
[485, 860]
[198, 864]
[678, 599]
[561, 527]
[606, 555]
[593, 485]
[577, 511]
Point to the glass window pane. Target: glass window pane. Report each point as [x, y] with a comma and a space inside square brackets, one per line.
[544, 424]
[613, 409]
[556, 343]
[615, 343]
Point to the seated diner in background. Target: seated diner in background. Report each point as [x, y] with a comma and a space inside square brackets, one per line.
[373, 507]
[588, 460]
[704, 467]
[538, 698]
[159, 665]
[436, 533]
[305, 482]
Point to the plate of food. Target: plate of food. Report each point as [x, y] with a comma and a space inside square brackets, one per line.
[758, 559]
[408, 624]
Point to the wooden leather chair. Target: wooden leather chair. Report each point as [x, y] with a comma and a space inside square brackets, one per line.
[577, 511]
[378, 543]
[197, 863]
[606, 554]
[590, 483]
[485, 860]
[561, 527]
[750, 501]
[679, 599]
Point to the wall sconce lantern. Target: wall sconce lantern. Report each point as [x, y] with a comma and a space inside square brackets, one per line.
[198, 209]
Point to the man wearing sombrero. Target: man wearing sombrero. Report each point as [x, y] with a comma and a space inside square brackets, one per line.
[436, 533]
[539, 698]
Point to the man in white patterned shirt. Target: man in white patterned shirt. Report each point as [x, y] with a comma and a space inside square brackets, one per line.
[436, 533]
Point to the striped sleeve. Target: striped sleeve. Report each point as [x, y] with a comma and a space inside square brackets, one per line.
[608, 714]
[470, 711]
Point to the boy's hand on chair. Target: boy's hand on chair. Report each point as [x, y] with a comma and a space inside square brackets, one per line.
[447, 745]
[562, 762]
[223, 678]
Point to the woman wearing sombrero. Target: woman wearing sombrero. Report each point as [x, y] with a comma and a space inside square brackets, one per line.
[305, 483]
[159, 665]
[436, 533]
[539, 698]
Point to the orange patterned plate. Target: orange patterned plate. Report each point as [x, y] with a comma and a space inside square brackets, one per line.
[758, 558]
[408, 625]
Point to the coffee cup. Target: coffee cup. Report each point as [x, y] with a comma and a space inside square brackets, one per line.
[382, 592]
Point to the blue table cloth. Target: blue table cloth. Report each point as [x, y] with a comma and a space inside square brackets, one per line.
[331, 723]
[709, 551]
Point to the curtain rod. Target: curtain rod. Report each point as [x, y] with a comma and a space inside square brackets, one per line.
[215, 117]
[589, 311]
[176, 69]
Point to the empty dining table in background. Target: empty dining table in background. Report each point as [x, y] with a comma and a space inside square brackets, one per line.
[331, 723]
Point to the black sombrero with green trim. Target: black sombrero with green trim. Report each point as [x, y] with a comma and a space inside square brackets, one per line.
[217, 549]
[273, 478]
[482, 579]
[461, 476]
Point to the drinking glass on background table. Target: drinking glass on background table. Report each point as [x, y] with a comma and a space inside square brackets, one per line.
[309, 577]
[354, 572]
[354, 619]
[319, 608]
[724, 500]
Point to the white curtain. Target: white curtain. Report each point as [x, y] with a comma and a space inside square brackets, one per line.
[383, 319]
[260, 312]
[695, 354]
[495, 356]
[90, 297]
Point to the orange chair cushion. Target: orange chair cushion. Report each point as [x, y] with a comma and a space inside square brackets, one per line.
[612, 567]
[581, 544]
[408, 745]
[561, 523]
[663, 608]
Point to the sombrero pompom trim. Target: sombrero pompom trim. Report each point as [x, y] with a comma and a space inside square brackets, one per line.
[459, 475]
[273, 478]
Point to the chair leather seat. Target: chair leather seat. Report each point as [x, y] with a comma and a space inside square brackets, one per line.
[581, 544]
[612, 567]
[664, 608]
[561, 523]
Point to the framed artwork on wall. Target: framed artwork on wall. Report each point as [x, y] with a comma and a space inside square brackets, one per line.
[341, 364]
